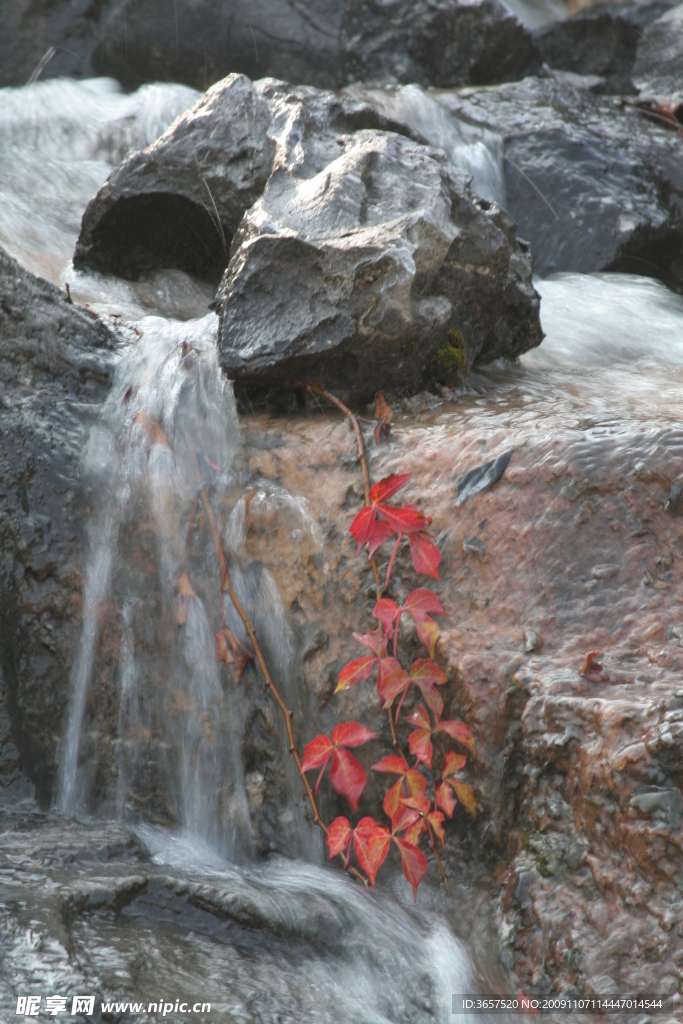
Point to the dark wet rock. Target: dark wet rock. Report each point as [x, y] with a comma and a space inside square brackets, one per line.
[658, 69]
[199, 43]
[600, 40]
[52, 40]
[56, 371]
[443, 43]
[340, 270]
[358, 270]
[592, 184]
[482, 478]
[179, 202]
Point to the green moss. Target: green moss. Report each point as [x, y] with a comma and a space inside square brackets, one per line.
[447, 365]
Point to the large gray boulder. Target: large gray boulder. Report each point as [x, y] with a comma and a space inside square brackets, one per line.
[443, 43]
[592, 183]
[658, 69]
[199, 42]
[346, 244]
[361, 269]
[56, 369]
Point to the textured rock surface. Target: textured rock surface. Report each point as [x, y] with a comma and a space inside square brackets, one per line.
[56, 369]
[354, 270]
[601, 40]
[442, 43]
[579, 780]
[59, 35]
[200, 42]
[342, 269]
[658, 70]
[591, 183]
[179, 202]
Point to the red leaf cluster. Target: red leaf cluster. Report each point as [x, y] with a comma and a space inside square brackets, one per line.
[347, 774]
[378, 521]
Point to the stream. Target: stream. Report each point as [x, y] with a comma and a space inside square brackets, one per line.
[96, 896]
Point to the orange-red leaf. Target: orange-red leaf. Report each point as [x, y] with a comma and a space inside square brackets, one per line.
[445, 798]
[419, 802]
[386, 667]
[458, 731]
[435, 819]
[386, 611]
[403, 518]
[413, 834]
[375, 641]
[414, 863]
[381, 531]
[351, 734]
[420, 718]
[389, 486]
[465, 795]
[453, 763]
[392, 800]
[415, 782]
[355, 671]
[371, 843]
[420, 746]
[362, 526]
[422, 602]
[426, 674]
[426, 556]
[338, 836]
[592, 669]
[393, 764]
[316, 753]
[392, 684]
[348, 776]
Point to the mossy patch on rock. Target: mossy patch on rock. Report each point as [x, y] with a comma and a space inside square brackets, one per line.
[448, 364]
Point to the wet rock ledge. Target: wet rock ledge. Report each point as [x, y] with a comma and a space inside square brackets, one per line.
[351, 255]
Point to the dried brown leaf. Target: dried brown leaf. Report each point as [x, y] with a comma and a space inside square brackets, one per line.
[232, 652]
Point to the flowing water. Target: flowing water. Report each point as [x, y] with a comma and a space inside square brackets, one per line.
[305, 944]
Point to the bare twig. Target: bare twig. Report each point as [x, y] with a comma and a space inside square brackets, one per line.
[227, 587]
[441, 867]
[360, 445]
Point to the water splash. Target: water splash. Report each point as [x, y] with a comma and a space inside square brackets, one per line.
[472, 148]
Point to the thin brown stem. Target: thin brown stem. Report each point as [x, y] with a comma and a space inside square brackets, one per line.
[441, 867]
[360, 445]
[227, 587]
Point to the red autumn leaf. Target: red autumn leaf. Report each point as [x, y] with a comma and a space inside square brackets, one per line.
[445, 798]
[420, 744]
[426, 556]
[403, 518]
[458, 731]
[388, 487]
[381, 531]
[392, 684]
[351, 734]
[387, 666]
[347, 774]
[416, 831]
[465, 795]
[338, 836]
[371, 842]
[592, 669]
[375, 641]
[453, 763]
[419, 802]
[420, 604]
[414, 863]
[355, 671]
[386, 611]
[435, 820]
[393, 764]
[426, 674]
[316, 753]
[363, 525]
